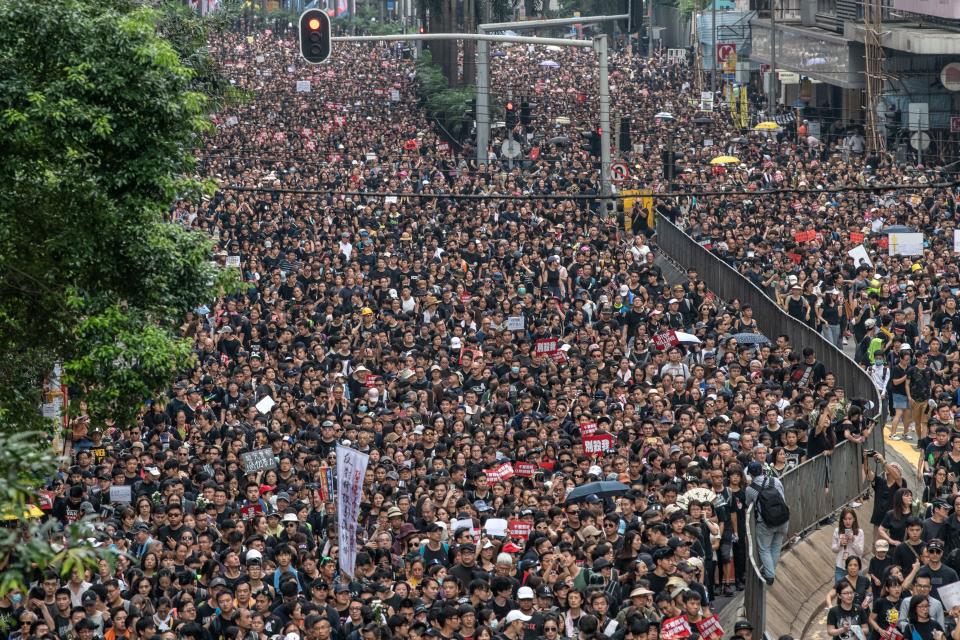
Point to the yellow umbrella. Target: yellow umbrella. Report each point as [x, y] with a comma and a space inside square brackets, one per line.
[767, 126]
[725, 160]
[32, 512]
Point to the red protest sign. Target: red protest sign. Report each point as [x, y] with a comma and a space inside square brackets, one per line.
[250, 511]
[598, 444]
[410, 145]
[856, 238]
[709, 628]
[588, 428]
[883, 242]
[519, 529]
[546, 346]
[443, 147]
[371, 380]
[666, 339]
[805, 236]
[524, 469]
[795, 257]
[673, 628]
[502, 472]
[465, 297]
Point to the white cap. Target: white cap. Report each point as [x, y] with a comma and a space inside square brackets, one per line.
[792, 279]
[516, 614]
[455, 343]
[253, 554]
[624, 290]
[289, 517]
[524, 593]
[870, 323]
[673, 301]
[595, 470]
[152, 471]
[906, 347]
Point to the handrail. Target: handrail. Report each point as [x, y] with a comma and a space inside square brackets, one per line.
[838, 472]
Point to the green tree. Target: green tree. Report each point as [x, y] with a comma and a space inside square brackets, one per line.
[98, 114]
[28, 546]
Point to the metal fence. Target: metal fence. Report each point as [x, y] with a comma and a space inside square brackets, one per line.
[805, 487]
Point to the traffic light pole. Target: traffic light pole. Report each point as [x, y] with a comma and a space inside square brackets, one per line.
[600, 46]
[483, 66]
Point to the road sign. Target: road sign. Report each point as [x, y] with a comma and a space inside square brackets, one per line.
[724, 50]
[706, 101]
[619, 171]
[920, 140]
[954, 124]
[511, 149]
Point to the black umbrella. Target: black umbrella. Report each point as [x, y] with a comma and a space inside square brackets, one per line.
[602, 489]
[559, 141]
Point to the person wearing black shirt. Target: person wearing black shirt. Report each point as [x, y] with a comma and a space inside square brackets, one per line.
[911, 549]
[919, 383]
[898, 395]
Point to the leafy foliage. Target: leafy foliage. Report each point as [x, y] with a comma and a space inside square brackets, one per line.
[98, 112]
[27, 545]
[450, 106]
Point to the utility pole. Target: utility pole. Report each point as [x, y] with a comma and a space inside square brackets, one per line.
[713, 24]
[772, 96]
[483, 101]
[600, 46]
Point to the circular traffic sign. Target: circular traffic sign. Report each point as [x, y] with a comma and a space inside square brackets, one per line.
[511, 149]
[619, 171]
[920, 140]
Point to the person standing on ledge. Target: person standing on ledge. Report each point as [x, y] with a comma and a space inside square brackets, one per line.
[773, 517]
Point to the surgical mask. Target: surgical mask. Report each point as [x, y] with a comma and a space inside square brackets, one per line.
[15, 598]
[514, 369]
[521, 290]
[362, 408]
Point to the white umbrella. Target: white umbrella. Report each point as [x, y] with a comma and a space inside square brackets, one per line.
[686, 338]
[553, 64]
[664, 115]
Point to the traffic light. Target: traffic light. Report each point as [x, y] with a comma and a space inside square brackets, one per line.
[625, 142]
[510, 117]
[672, 166]
[591, 143]
[525, 113]
[315, 36]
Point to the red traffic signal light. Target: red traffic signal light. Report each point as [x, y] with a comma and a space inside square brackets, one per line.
[315, 43]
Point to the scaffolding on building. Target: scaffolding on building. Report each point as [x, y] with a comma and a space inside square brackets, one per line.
[872, 19]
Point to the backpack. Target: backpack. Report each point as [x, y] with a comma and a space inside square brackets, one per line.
[772, 508]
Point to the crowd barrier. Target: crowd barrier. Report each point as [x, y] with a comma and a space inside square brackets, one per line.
[821, 486]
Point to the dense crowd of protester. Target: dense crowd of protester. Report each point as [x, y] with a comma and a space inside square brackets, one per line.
[483, 315]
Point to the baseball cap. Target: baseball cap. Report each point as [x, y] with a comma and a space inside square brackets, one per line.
[524, 593]
[515, 615]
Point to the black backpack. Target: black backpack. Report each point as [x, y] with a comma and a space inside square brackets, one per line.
[771, 506]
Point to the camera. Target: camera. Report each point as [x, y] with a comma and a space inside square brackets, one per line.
[869, 452]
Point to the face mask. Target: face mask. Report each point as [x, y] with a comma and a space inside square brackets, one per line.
[521, 290]
[15, 598]
[363, 408]
[514, 369]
